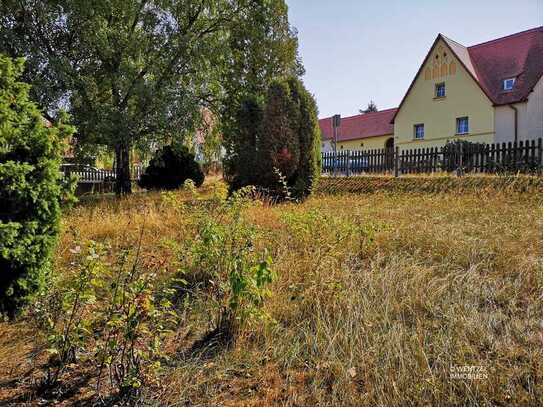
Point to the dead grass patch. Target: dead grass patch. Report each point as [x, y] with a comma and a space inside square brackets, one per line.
[378, 297]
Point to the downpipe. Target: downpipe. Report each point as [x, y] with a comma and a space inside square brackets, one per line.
[516, 121]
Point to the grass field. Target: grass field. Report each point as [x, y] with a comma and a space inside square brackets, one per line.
[380, 299]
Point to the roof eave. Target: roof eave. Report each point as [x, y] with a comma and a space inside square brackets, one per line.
[511, 102]
[365, 137]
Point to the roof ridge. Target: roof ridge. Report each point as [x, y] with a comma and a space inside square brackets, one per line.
[506, 37]
[382, 111]
[374, 113]
[450, 39]
[363, 114]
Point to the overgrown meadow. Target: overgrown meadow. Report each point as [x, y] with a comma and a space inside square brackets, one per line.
[186, 298]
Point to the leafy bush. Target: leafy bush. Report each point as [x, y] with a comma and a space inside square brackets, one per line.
[453, 150]
[222, 264]
[170, 168]
[473, 154]
[111, 318]
[31, 189]
[121, 333]
[62, 316]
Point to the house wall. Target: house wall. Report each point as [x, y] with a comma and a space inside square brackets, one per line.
[504, 119]
[326, 146]
[530, 118]
[369, 143]
[463, 98]
[532, 127]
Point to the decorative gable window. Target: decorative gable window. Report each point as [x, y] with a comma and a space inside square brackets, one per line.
[418, 131]
[508, 84]
[440, 90]
[462, 125]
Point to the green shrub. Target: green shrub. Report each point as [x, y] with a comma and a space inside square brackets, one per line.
[309, 137]
[222, 265]
[289, 142]
[116, 316]
[61, 314]
[31, 189]
[170, 168]
[453, 150]
[240, 162]
[279, 142]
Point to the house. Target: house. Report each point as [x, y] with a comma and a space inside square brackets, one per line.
[489, 93]
[361, 132]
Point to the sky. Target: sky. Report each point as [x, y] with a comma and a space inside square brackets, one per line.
[355, 51]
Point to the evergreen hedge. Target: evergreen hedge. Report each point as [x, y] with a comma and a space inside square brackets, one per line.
[31, 189]
[278, 142]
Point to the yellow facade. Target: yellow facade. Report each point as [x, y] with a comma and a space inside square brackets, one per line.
[370, 143]
[463, 98]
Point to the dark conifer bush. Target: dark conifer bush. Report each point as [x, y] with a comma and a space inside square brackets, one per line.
[31, 189]
[240, 163]
[170, 168]
[279, 142]
[309, 139]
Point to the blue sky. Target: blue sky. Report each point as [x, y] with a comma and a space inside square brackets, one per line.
[356, 50]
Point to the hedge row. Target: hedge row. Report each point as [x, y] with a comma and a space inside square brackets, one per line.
[430, 184]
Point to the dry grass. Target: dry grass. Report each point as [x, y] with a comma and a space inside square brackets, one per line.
[378, 296]
[433, 183]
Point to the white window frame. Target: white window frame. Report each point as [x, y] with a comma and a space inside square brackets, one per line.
[509, 83]
[462, 125]
[416, 134]
[437, 87]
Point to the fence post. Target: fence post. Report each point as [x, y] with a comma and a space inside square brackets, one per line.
[397, 162]
[459, 170]
[348, 169]
[539, 155]
[334, 171]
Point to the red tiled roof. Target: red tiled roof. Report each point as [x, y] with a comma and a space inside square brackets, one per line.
[517, 56]
[360, 126]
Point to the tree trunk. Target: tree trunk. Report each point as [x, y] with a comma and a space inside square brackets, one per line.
[123, 184]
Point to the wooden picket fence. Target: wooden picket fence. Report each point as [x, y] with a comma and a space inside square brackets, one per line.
[523, 157]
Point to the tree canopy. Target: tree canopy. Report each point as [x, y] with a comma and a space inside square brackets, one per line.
[138, 71]
[372, 107]
[129, 71]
